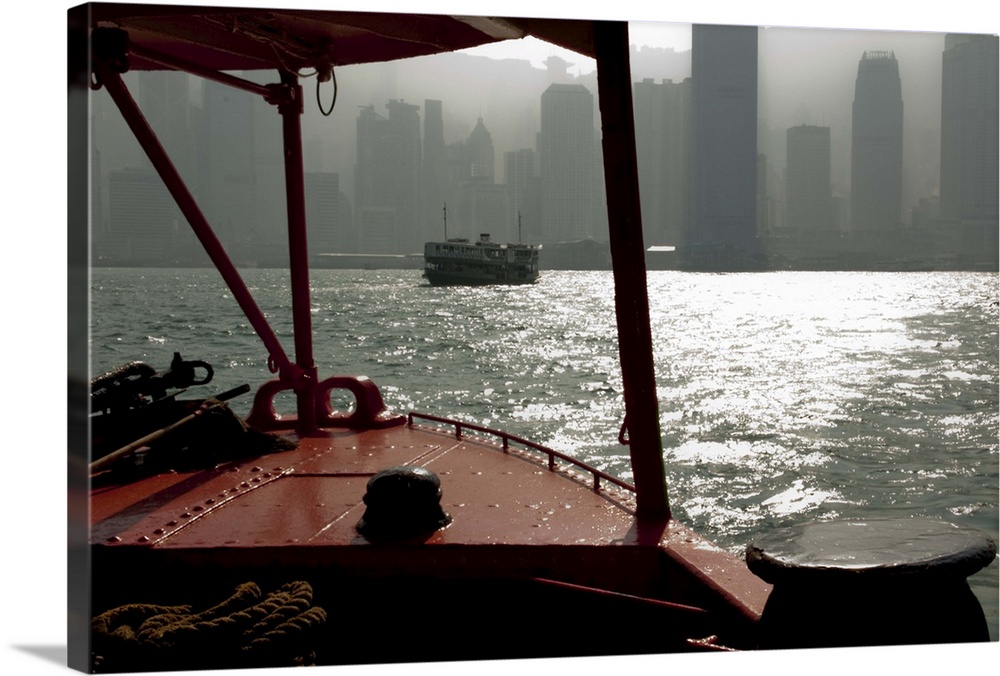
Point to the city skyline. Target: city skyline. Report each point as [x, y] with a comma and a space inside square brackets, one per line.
[514, 118]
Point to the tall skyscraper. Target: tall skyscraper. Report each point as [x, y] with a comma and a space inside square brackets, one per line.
[807, 179]
[435, 171]
[969, 115]
[566, 163]
[877, 144]
[228, 168]
[387, 180]
[481, 156]
[143, 221]
[327, 232]
[663, 133]
[481, 204]
[724, 152]
[521, 183]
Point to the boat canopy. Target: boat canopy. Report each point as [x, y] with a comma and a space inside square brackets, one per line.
[231, 38]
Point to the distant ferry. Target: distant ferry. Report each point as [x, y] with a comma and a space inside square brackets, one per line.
[459, 261]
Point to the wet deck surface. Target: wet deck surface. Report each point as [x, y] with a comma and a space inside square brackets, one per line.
[301, 507]
[313, 494]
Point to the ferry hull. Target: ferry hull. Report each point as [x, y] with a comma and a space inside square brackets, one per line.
[474, 278]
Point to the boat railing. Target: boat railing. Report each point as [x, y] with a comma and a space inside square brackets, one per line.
[507, 438]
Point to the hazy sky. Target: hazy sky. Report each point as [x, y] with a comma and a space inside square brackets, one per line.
[653, 34]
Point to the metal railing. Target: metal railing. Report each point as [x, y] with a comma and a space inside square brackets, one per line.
[507, 439]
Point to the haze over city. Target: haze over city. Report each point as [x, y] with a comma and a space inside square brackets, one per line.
[805, 76]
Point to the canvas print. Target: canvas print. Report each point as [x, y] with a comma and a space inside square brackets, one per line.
[402, 337]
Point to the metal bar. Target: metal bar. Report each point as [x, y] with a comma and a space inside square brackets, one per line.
[195, 69]
[185, 201]
[290, 107]
[507, 438]
[635, 344]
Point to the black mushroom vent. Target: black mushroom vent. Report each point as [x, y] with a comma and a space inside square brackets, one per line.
[402, 502]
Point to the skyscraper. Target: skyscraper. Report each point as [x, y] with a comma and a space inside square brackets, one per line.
[387, 180]
[480, 153]
[521, 183]
[481, 203]
[807, 179]
[434, 171]
[327, 233]
[724, 151]
[969, 116]
[566, 163]
[663, 132]
[228, 170]
[877, 144]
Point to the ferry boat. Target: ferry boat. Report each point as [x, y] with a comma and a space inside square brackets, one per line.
[363, 535]
[459, 261]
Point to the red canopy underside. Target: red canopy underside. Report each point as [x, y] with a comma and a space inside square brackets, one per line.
[230, 38]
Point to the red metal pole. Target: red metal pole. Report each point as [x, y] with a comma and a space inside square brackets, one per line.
[290, 107]
[635, 343]
[144, 134]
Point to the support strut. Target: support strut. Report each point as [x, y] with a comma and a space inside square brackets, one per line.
[635, 343]
[109, 77]
[289, 101]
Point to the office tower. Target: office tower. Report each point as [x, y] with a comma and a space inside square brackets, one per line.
[724, 152]
[326, 230]
[481, 204]
[143, 220]
[566, 163]
[663, 132]
[388, 179]
[807, 179]
[764, 219]
[479, 149]
[521, 183]
[165, 100]
[434, 172]
[228, 168]
[969, 117]
[877, 144]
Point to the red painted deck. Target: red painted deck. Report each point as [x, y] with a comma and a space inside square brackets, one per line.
[512, 519]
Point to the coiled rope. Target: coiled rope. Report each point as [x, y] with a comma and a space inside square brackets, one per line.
[248, 629]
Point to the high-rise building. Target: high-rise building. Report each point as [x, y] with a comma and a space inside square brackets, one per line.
[143, 221]
[877, 144]
[481, 156]
[435, 170]
[566, 163]
[326, 230]
[724, 150]
[388, 177]
[663, 132]
[969, 114]
[521, 184]
[228, 168]
[807, 179]
[480, 204]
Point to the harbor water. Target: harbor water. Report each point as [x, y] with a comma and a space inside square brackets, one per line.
[784, 397]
